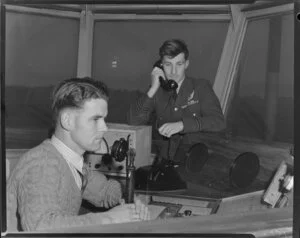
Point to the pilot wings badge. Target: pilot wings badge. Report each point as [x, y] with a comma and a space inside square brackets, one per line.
[191, 96]
[190, 100]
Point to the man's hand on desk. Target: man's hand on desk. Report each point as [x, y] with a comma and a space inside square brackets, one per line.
[171, 128]
[130, 212]
[142, 210]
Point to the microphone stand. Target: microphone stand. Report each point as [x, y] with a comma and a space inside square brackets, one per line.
[130, 176]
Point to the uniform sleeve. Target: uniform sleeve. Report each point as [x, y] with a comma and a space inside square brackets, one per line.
[38, 200]
[140, 111]
[211, 117]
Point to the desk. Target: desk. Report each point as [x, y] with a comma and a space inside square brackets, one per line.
[271, 223]
[266, 222]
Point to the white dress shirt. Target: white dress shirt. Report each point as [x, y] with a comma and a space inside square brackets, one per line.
[74, 160]
[179, 86]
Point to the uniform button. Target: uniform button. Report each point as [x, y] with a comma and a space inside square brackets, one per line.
[194, 114]
[175, 109]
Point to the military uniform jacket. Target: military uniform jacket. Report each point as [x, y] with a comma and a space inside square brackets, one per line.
[196, 105]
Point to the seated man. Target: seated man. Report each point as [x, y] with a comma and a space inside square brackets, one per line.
[46, 188]
[182, 113]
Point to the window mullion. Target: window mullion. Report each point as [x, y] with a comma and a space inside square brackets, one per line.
[85, 49]
[230, 57]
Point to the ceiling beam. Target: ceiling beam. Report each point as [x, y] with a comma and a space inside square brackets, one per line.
[160, 9]
[211, 2]
[262, 4]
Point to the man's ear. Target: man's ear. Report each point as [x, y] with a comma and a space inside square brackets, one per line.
[187, 62]
[66, 120]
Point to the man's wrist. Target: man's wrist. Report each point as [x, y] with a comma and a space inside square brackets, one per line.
[182, 126]
[151, 92]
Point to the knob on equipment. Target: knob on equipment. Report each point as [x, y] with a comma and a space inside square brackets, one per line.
[120, 167]
[187, 212]
[107, 159]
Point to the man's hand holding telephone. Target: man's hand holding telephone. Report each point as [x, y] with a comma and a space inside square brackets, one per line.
[155, 84]
[158, 79]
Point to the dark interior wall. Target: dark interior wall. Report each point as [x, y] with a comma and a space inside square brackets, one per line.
[125, 51]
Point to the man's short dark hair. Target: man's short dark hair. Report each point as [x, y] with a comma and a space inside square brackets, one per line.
[172, 48]
[74, 92]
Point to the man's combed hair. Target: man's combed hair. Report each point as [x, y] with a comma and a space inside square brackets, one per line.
[74, 92]
[172, 48]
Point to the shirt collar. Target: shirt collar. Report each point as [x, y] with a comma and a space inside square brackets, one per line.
[70, 155]
[179, 86]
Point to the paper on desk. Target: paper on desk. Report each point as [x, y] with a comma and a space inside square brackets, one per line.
[181, 201]
[155, 210]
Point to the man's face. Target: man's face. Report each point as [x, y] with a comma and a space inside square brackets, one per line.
[174, 68]
[88, 125]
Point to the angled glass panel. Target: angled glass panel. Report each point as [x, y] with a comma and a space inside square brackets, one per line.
[262, 107]
[40, 51]
[124, 53]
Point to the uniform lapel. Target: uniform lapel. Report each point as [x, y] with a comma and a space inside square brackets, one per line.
[185, 91]
[164, 99]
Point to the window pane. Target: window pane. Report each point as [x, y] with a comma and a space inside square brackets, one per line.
[125, 51]
[40, 51]
[262, 107]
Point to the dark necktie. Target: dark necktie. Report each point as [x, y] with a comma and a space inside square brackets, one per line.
[83, 176]
[174, 95]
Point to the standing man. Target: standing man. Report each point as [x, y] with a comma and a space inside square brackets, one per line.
[181, 114]
[46, 188]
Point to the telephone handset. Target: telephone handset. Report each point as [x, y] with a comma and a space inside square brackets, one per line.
[167, 84]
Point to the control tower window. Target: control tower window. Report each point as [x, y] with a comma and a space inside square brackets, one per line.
[262, 106]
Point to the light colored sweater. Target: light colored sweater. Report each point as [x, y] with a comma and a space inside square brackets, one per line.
[42, 193]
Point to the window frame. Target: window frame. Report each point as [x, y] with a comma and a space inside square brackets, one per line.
[229, 61]
[153, 17]
[225, 89]
[67, 14]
